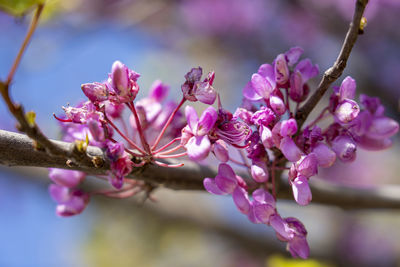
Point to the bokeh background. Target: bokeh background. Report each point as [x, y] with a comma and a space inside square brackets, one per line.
[78, 40]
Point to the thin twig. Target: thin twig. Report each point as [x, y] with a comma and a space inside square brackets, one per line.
[333, 73]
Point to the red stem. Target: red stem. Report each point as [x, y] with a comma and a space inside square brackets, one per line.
[170, 156]
[168, 123]
[139, 128]
[126, 138]
[167, 145]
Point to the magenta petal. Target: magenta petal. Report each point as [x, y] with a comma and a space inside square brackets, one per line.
[345, 148]
[96, 92]
[120, 78]
[266, 136]
[325, 155]
[198, 147]
[290, 149]
[259, 172]
[382, 128]
[250, 93]
[293, 55]
[281, 227]
[241, 200]
[373, 144]
[281, 69]
[288, 127]
[347, 89]
[226, 178]
[308, 166]
[301, 190]
[207, 121]
[68, 178]
[158, 91]
[266, 70]
[347, 110]
[263, 212]
[296, 91]
[75, 205]
[277, 104]
[225, 184]
[251, 216]
[262, 196]
[261, 85]
[298, 247]
[221, 151]
[59, 193]
[205, 93]
[211, 187]
[226, 171]
[307, 69]
[191, 117]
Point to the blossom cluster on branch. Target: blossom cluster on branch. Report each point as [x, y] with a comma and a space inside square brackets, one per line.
[262, 136]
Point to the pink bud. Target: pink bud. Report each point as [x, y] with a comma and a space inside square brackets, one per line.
[263, 212]
[290, 150]
[347, 89]
[281, 69]
[241, 200]
[211, 187]
[259, 172]
[345, 148]
[262, 86]
[67, 178]
[288, 127]
[347, 110]
[277, 104]
[96, 92]
[307, 166]
[325, 156]
[266, 136]
[221, 151]
[301, 190]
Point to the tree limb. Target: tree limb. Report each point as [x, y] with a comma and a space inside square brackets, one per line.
[17, 150]
[333, 73]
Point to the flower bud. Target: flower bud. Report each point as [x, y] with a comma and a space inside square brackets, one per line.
[259, 172]
[221, 151]
[241, 200]
[325, 156]
[288, 127]
[347, 110]
[96, 92]
[301, 190]
[281, 69]
[345, 148]
[290, 149]
[67, 178]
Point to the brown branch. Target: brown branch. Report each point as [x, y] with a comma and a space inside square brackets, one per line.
[333, 73]
[31, 128]
[16, 150]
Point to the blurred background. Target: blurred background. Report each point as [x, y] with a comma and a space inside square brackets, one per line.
[77, 41]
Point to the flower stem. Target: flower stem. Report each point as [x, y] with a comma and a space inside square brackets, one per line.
[167, 145]
[168, 123]
[170, 156]
[130, 142]
[139, 128]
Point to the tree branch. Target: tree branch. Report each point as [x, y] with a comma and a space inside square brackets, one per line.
[17, 150]
[333, 73]
[29, 126]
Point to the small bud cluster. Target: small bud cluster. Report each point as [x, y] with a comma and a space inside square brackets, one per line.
[262, 136]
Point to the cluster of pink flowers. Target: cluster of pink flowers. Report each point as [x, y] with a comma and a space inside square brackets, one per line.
[262, 136]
